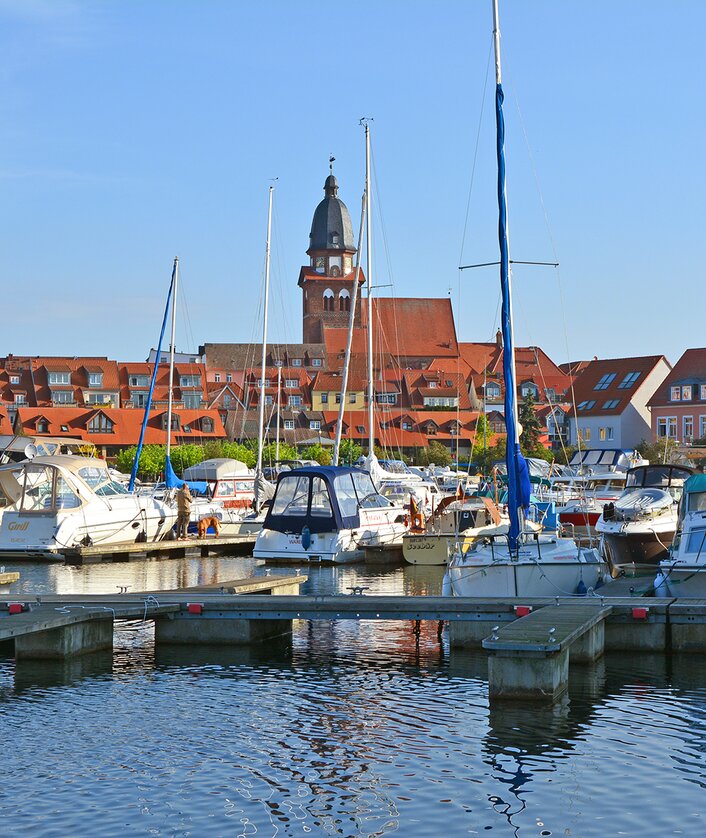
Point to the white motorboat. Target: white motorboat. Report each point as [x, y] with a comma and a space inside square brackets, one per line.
[455, 525]
[521, 563]
[328, 514]
[231, 495]
[63, 501]
[580, 514]
[683, 572]
[638, 527]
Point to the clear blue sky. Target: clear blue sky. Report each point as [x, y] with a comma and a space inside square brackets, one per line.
[131, 132]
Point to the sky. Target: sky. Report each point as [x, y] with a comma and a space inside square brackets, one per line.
[132, 132]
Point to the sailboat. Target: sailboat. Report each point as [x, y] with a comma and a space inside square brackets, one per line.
[332, 514]
[523, 562]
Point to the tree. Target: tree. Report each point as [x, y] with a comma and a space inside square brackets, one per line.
[349, 452]
[317, 452]
[663, 451]
[531, 427]
[436, 454]
[483, 438]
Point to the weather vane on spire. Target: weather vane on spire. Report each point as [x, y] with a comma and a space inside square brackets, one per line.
[331, 162]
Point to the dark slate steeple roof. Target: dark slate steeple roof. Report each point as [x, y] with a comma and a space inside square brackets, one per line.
[331, 228]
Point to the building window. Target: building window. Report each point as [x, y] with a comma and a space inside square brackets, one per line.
[190, 381]
[207, 425]
[65, 429]
[688, 428]
[338, 398]
[296, 362]
[324, 398]
[315, 425]
[62, 396]
[60, 378]
[95, 379]
[432, 385]
[667, 426]
[611, 404]
[587, 405]
[226, 400]
[492, 391]
[585, 434]
[675, 394]
[328, 300]
[702, 391]
[139, 381]
[431, 429]
[291, 383]
[316, 362]
[42, 426]
[686, 391]
[217, 378]
[605, 381]
[294, 401]
[406, 426]
[344, 300]
[20, 398]
[192, 401]
[14, 379]
[289, 424]
[702, 427]
[386, 398]
[352, 398]
[268, 401]
[100, 424]
[629, 380]
[360, 429]
[98, 398]
[138, 399]
[526, 389]
[550, 393]
[229, 377]
[605, 434]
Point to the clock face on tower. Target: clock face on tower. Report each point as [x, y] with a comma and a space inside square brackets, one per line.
[320, 264]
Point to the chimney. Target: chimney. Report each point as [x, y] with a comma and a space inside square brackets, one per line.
[498, 338]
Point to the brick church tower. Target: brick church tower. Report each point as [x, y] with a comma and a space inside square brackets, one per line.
[327, 282]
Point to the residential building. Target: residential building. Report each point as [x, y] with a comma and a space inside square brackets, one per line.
[678, 405]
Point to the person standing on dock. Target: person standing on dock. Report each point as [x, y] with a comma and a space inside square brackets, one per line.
[183, 511]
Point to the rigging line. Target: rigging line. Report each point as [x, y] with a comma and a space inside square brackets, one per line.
[475, 152]
[552, 243]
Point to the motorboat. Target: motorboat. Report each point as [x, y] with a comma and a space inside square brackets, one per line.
[683, 572]
[328, 514]
[454, 525]
[638, 527]
[523, 562]
[63, 501]
[580, 514]
[230, 490]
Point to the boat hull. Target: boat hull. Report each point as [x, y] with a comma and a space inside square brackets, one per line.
[682, 580]
[428, 549]
[637, 547]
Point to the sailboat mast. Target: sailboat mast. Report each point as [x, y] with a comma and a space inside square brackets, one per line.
[513, 456]
[261, 429]
[369, 265]
[170, 397]
[349, 344]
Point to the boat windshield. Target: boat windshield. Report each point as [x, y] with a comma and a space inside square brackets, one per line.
[320, 500]
[99, 480]
[368, 496]
[696, 501]
[696, 544]
[658, 476]
[292, 496]
[45, 489]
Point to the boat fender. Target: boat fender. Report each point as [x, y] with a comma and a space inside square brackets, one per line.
[446, 589]
[581, 589]
[661, 585]
[306, 538]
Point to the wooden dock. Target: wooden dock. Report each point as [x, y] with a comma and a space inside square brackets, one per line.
[95, 553]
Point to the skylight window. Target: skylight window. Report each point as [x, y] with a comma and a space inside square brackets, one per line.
[587, 405]
[605, 381]
[611, 403]
[629, 380]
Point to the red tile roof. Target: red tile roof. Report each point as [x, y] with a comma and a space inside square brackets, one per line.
[689, 369]
[608, 374]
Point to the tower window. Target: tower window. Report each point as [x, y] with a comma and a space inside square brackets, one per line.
[328, 300]
[344, 300]
[334, 238]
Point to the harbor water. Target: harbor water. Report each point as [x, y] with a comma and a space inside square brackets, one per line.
[352, 729]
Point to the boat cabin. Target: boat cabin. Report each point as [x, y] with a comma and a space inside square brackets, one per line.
[665, 476]
[229, 481]
[322, 498]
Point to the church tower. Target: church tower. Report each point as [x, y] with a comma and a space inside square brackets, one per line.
[327, 281]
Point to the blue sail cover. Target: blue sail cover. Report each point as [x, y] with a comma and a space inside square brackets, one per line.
[173, 482]
[519, 488]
